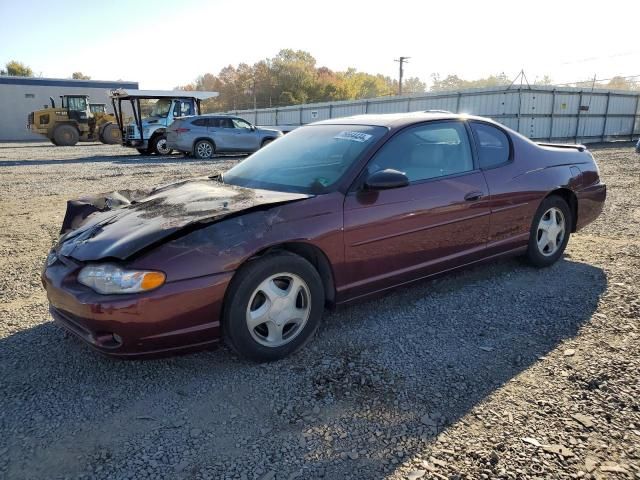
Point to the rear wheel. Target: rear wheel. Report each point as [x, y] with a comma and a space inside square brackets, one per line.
[65, 135]
[203, 149]
[110, 134]
[159, 145]
[273, 307]
[550, 232]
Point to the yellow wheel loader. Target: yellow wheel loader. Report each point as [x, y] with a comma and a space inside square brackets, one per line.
[74, 121]
[106, 125]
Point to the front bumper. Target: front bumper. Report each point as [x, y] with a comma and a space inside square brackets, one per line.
[182, 315]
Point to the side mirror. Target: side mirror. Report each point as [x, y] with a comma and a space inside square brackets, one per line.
[386, 179]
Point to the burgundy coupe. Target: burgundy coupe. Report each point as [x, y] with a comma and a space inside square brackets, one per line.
[332, 212]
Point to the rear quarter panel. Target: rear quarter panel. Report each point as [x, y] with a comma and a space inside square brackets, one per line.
[518, 188]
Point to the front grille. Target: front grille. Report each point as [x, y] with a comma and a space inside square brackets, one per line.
[131, 131]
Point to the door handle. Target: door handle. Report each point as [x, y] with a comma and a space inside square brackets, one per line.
[473, 196]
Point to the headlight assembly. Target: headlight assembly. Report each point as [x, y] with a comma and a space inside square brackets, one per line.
[111, 279]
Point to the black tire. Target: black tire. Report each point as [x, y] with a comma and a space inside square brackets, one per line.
[266, 142]
[243, 286]
[534, 254]
[66, 135]
[156, 145]
[204, 150]
[142, 151]
[110, 134]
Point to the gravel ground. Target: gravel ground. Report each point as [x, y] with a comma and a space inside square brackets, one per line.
[499, 371]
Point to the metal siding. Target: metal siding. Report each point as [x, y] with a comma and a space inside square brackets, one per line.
[289, 117]
[538, 112]
[321, 113]
[566, 103]
[619, 104]
[597, 103]
[619, 126]
[590, 126]
[347, 110]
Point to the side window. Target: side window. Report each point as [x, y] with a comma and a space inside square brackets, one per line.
[226, 123]
[182, 108]
[493, 145]
[200, 122]
[239, 123]
[213, 123]
[426, 151]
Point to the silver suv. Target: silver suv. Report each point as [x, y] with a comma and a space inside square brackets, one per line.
[205, 135]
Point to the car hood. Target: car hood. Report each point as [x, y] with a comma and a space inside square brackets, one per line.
[122, 223]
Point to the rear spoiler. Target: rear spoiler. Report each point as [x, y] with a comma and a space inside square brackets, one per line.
[580, 148]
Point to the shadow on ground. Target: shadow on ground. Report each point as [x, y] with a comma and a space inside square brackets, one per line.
[337, 409]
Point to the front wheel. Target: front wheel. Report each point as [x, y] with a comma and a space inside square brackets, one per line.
[159, 145]
[550, 232]
[273, 307]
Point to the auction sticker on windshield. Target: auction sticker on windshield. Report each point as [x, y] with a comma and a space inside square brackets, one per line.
[353, 136]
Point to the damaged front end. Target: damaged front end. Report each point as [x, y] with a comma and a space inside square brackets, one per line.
[122, 223]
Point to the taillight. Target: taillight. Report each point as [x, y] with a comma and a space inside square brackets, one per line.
[182, 130]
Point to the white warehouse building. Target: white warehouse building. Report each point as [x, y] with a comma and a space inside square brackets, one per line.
[21, 95]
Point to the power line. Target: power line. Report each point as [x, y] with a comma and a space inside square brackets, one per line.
[597, 80]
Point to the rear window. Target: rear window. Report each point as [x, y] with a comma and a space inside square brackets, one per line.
[493, 145]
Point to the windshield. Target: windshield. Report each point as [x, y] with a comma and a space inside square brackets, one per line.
[155, 108]
[308, 160]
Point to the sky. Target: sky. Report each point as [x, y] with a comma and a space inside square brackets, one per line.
[163, 44]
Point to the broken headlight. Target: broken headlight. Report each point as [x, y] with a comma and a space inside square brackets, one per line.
[111, 279]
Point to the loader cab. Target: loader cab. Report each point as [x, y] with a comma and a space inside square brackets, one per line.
[77, 106]
[98, 108]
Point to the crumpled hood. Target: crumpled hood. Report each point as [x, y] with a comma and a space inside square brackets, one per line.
[119, 224]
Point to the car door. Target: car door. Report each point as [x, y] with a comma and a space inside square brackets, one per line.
[222, 132]
[245, 137]
[439, 221]
[509, 199]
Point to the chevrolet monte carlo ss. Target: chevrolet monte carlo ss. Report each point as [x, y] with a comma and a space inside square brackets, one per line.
[332, 212]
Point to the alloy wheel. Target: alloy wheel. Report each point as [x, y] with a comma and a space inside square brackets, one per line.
[551, 231]
[278, 309]
[204, 150]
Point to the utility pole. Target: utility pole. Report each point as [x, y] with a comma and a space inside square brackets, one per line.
[401, 61]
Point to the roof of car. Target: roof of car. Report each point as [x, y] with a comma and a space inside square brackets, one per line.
[394, 119]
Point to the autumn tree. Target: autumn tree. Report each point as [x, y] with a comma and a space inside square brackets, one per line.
[80, 76]
[16, 69]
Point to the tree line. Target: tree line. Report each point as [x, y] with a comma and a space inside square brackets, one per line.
[293, 77]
